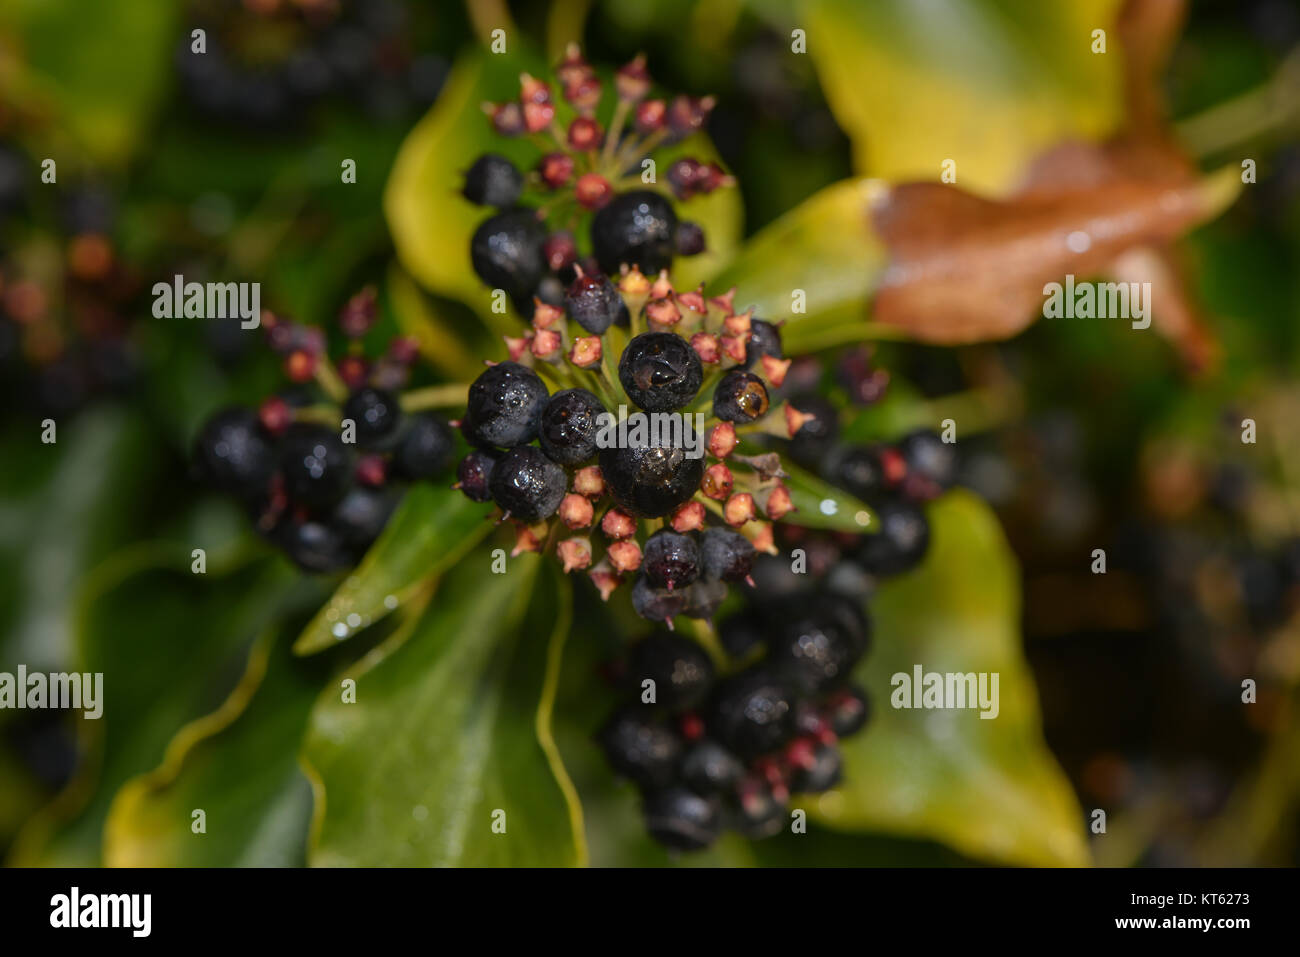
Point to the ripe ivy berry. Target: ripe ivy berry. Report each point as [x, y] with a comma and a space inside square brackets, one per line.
[505, 406]
[660, 371]
[527, 484]
[637, 228]
[316, 465]
[493, 181]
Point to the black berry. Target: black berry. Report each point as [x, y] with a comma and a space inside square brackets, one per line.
[680, 669]
[859, 471]
[660, 371]
[670, 559]
[527, 484]
[816, 648]
[821, 773]
[493, 181]
[764, 340]
[740, 397]
[635, 229]
[816, 437]
[900, 542]
[928, 455]
[725, 555]
[680, 820]
[689, 239]
[650, 480]
[376, 414]
[569, 426]
[506, 252]
[752, 713]
[758, 814]
[313, 545]
[639, 748]
[316, 465]
[426, 448]
[505, 406]
[593, 303]
[474, 474]
[848, 711]
[708, 768]
[233, 453]
[362, 515]
[704, 598]
[656, 604]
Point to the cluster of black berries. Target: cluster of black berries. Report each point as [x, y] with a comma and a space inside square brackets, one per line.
[584, 173]
[265, 61]
[65, 335]
[710, 752]
[538, 454]
[320, 480]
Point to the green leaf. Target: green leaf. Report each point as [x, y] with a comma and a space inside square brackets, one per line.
[100, 66]
[432, 223]
[238, 764]
[822, 505]
[987, 84]
[164, 640]
[989, 789]
[449, 731]
[824, 248]
[431, 529]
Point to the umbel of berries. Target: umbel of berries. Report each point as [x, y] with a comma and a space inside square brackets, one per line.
[613, 437]
[321, 465]
[578, 211]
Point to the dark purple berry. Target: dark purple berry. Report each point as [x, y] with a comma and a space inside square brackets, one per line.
[362, 515]
[316, 465]
[656, 604]
[752, 713]
[758, 814]
[426, 448]
[928, 455]
[505, 406]
[506, 252]
[816, 648]
[474, 474]
[725, 555]
[816, 437]
[740, 397]
[680, 820]
[493, 181]
[680, 669]
[233, 453]
[313, 546]
[640, 748]
[593, 303]
[635, 229]
[650, 481]
[527, 484]
[670, 560]
[689, 239]
[847, 711]
[708, 768]
[858, 470]
[376, 414]
[764, 340]
[704, 598]
[900, 542]
[821, 773]
[660, 371]
[570, 425]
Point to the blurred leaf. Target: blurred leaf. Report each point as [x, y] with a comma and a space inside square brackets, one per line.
[825, 248]
[445, 732]
[988, 84]
[432, 528]
[417, 318]
[164, 640]
[822, 505]
[239, 764]
[100, 66]
[989, 789]
[432, 223]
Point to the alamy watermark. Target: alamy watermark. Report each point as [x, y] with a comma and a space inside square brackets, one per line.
[651, 430]
[946, 690]
[214, 300]
[59, 689]
[1098, 300]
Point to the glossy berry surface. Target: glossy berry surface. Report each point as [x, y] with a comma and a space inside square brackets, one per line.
[821, 772]
[506, 252]
[316, 465]
[362, 514]
[593, 303]
[848, 711]
[817, 649]
[740, 397]
[764, 340]
[637, 228]
[859, 471]
[660, 371]
[899, 544]
[527, 484]
[928, 455]
[569, 427]
[752, 714]
[681, 820]
[474, 473]
[376, 414]
[656, 604]
[505, 406]
[640, 748]
[234, 454]
[493, 181]
[670, 559]
[725, 555]
[680, 669]
[426, 448]
[650, 481]
[708, 768]
[313, 546]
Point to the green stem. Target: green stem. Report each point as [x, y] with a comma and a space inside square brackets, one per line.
[435, 397]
